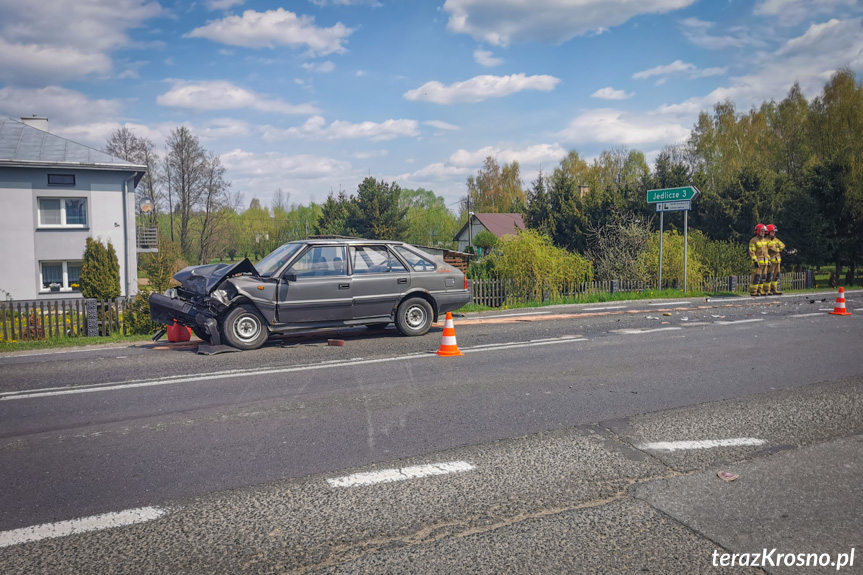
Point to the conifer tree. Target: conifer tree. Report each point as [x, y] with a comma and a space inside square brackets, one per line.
[100, 271]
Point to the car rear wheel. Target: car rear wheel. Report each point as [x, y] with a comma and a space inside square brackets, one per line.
[244, 328]
[414, 316]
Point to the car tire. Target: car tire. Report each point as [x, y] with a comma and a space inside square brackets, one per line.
[244, 328]
[414, 316]
[202, 334]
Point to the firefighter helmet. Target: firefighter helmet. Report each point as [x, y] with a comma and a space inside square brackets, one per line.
[760, 228]
[771, 228]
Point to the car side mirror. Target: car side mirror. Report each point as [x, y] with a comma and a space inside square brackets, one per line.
[290, 276]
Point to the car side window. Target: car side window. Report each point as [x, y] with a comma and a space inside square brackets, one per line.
[417, 262]
[320, 261]
[374, 260]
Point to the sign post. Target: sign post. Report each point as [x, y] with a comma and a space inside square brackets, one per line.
[674, 200]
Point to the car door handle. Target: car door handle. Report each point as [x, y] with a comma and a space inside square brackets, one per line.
[402, 280]
[344, 286]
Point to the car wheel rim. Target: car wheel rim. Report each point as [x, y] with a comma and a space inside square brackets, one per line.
[415, 317]
[247, 328]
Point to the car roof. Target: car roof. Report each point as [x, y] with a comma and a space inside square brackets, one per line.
[349, 241]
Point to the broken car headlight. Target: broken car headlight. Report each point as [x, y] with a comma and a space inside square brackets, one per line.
[221, 296]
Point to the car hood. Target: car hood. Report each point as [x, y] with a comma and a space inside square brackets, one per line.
[204, 279]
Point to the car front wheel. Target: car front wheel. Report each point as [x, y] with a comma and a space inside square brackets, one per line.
[414, 317]
[244, 328]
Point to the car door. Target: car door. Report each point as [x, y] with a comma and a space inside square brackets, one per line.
[379, 278]
[319, 288]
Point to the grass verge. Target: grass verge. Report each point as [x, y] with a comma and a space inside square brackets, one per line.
[63, 341]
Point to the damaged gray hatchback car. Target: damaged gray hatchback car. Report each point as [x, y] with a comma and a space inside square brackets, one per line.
[313, 284]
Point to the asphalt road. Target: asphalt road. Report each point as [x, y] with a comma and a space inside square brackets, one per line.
[550, 408]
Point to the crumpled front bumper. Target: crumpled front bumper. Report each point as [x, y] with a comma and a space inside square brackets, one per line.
[164, 309]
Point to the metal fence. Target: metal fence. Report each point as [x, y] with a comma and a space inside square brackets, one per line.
[507, 292]
[30, 320]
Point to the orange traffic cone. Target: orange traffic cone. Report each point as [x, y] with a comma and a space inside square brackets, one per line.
[839, 308]
[448, 346]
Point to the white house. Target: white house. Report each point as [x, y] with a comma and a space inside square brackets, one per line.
[54, 193]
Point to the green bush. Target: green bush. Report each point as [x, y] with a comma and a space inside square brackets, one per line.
[161, 266]
[100, 271]
[485, 240]
[137, 315]
[720, 258]
[539, 267]
[672, 259]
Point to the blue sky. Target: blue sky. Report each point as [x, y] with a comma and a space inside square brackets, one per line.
[311, 96]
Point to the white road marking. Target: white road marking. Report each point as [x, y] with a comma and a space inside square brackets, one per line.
[699, 323]
[511, 315]
[807, 315]
[83, 525]
[390, 475]
[738, 321]
[604, 308]
[702, 444]
[192, 378]
[635, 331]
[672, 303]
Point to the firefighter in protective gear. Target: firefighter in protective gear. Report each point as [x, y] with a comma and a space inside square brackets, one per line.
[760, 261]
[774, 252]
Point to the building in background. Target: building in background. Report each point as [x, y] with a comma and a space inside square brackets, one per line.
[54, 193]
[498, 224]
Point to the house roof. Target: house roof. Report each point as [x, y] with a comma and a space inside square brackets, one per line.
[501, 224]
[25, 146]
[498, 224]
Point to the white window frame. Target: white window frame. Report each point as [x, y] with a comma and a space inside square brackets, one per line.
[63, 224]
[64, 287]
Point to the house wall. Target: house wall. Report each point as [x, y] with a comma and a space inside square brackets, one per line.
[464, 238]
[23, 245]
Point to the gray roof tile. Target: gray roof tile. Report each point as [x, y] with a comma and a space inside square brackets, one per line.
[20, 142]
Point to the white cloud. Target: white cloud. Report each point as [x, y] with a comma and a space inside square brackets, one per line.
[367, 154]
[65, 40]
[480, 88]
[220, 95]
[486, 58]
[441, 125]
[790, 12]
[372, 3]
[62, 106]
[679, 67]
[274, 28]
[697, 32]
[259, 175]
[538, 154]
[319, 67]
[610, 93]
[610, 126]
[222, 128]
[223, 4]
[315, 128]
[501, 22]
[809, 59]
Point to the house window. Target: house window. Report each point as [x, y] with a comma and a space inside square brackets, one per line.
[63, 212]
[60, 276]
[61, 179]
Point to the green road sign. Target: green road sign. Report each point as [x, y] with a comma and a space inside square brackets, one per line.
[672, 194]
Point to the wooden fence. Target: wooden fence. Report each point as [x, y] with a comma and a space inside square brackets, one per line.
[28, 320]
[505, 292]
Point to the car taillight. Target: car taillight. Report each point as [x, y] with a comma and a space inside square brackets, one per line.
[465, 282]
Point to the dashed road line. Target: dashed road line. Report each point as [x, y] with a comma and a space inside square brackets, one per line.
[513, 314]
[700, 444]
[672, 303]
[637, 331]
[736, 321]
[604, 308]
[391, 475]
[83, 525]
[807, 315]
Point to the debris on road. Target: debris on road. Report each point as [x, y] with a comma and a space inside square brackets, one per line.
[727, 476]
[336, 342]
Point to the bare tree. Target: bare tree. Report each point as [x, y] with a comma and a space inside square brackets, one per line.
[124, 144]
[185, 169]
[281, 200]
[214, 213]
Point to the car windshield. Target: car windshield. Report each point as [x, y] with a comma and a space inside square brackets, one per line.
[271, 264]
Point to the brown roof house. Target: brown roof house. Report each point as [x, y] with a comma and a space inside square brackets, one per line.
[498, 224]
